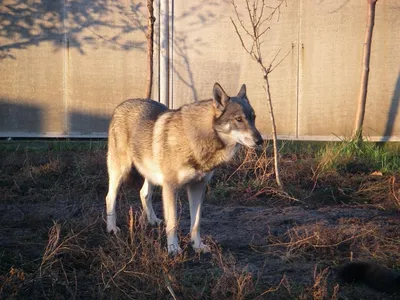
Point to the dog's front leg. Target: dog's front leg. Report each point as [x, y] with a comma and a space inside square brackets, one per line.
[170, 215]
[146, 196]
[196, 192]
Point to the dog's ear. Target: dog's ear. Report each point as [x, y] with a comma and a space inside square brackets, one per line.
[242, 92]
[220, 97]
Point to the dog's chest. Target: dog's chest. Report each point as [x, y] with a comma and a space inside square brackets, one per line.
[230, 152]
[188, 174]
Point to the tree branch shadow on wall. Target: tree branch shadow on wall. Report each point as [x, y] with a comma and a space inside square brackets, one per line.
[26, 24]
[181, 49]
[185, 41]
[79, 23]
[393, 111]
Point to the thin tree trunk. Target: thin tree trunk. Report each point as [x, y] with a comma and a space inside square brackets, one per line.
[362, 100]
[150, 38]
[274, 138]
[255, 12]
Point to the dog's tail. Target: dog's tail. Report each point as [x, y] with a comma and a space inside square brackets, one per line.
[375, 276]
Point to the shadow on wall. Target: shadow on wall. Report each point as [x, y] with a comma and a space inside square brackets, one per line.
[21, 118]
[25, 120]
[81, 24]
[393, 111]
[26, 24]
[89, 23]
[81, 124]
[185, 40]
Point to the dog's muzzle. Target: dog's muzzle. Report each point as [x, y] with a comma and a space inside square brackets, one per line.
[259, 142]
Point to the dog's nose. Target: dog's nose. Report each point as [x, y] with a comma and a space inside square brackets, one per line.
[259, 142]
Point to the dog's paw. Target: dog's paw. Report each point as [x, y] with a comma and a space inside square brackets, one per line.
[111, 224]
[154, 221]
[200, 247]
[174, 250]
[113, 229]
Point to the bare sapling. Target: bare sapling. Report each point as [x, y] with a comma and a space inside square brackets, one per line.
[150, 51]
[254, 33]
[362, 98]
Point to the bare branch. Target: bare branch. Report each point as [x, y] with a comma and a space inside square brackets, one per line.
[261, 14]
[276, 55]
[259, 35]
[283, 58]
[240, 20]
[249, 11]
[274, 10]
[240, 37]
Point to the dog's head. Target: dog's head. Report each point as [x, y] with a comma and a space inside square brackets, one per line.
[235, 118]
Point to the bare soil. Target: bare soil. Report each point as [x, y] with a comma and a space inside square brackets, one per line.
[264, 246]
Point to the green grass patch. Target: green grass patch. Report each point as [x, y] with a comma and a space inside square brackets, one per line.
[359, 157]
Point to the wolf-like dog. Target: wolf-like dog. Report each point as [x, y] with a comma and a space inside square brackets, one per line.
[175, 149]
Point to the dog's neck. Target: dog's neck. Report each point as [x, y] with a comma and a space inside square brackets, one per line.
[225, 139]
[215, 154]
[210, 148]
[220, 149]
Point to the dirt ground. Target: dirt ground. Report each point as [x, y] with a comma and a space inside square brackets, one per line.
[291, 250]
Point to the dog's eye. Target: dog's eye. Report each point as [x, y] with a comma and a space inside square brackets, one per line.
[239, 119]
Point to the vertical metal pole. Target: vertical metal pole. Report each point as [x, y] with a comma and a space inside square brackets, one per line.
[164, 52]
[156, 40]
[171, 54]
[66, 56]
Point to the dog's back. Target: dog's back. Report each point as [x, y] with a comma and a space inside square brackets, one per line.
[132, 124]
[173, 145]
[130, 135]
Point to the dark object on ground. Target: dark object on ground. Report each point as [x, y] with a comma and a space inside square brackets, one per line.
[375, 276]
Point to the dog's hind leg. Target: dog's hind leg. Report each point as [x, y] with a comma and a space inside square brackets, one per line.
[196, 192]
[146, 196]
[113, 185]
[170, 213]
[115, 174]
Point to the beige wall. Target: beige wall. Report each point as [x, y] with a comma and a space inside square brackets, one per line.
[332, 33]
[332, 38]
[31, 68]
[65, 65]
[214, 53]
[382, 112]
[109, 65]
[315, 88]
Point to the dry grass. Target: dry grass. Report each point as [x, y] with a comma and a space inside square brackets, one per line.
[348, 238]
[319, 290]
[235, 282]
[84, 263]
[327, 175]
[54, 244]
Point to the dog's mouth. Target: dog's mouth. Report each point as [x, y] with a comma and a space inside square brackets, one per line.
[248, 142]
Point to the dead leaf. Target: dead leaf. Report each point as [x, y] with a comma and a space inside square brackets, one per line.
[376, 173]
